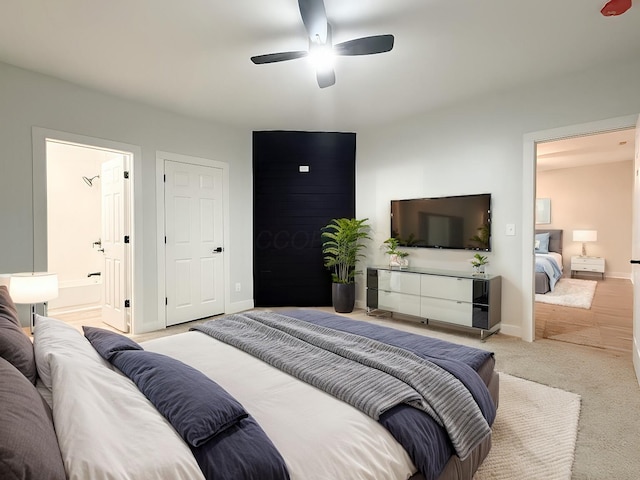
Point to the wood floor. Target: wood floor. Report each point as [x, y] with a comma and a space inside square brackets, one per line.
[608, 324]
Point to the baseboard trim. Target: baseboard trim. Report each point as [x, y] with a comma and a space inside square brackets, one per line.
[239, 306]
[511, 330]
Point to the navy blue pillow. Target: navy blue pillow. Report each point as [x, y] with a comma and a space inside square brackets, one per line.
[107, 343]
[196, 406]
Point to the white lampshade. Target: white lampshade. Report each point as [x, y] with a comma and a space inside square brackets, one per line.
[585, 235]
[34, 287]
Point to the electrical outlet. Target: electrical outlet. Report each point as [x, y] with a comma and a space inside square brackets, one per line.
[238, 287]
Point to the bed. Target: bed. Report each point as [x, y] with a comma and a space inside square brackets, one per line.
[102, 406]
[548, 256]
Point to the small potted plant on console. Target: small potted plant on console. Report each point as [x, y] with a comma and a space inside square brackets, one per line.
[397, 258]
[478, 262]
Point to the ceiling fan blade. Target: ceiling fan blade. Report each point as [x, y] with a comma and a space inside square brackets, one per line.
[365, 45]
[314, 17]
[278, 57]
[326, 78]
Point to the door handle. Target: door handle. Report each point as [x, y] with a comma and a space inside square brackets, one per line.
[217, 250]
[634, 261]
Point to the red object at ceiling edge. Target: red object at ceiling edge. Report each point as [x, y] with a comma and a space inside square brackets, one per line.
[615, 7]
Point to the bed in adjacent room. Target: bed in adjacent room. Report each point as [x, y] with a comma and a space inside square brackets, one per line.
[300, 394]
[548, 256]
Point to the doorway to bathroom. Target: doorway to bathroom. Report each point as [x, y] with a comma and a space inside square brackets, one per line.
[88, 231]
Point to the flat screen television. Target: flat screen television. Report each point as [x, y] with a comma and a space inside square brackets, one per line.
[461, 222]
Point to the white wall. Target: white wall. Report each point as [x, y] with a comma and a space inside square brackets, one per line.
[29, 100]
[475, 147]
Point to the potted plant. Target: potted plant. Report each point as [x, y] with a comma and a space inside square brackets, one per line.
[342, 243]
[479, 261]
[397, 258]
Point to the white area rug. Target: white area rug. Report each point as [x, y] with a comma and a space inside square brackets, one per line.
[534, 435]
[570, 292]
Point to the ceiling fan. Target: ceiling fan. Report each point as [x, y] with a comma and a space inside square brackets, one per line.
[318, 29]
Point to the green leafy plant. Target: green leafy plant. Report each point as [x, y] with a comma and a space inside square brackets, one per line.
[342, 244]
[479, 260]
[392, 244]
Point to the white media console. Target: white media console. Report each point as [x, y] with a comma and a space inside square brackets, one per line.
[451, 297]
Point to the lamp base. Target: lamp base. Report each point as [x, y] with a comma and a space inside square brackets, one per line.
[584, 249]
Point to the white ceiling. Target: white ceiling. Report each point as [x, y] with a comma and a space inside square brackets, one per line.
[192, 56]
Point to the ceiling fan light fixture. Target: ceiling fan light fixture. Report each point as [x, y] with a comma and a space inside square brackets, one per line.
[322, 57]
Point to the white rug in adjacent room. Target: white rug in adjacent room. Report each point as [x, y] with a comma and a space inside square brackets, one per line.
[534, 434]
[570, 292]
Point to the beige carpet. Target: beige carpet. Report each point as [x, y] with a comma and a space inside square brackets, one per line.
[534, 435]
[570, 292]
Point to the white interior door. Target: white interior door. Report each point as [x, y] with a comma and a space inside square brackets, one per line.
[194, 242]
[114, 229]
[635, 252]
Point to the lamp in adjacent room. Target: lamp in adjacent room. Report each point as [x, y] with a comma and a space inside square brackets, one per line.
[33, 288]
[585, 236]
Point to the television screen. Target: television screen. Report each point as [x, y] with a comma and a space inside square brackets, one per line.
[461, 222]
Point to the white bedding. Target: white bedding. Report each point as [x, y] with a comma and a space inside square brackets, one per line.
[319, 436]
[107, 429]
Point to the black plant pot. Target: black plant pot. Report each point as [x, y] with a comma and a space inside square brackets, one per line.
[343, 296]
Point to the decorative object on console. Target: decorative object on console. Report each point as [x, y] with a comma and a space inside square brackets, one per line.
[397, 258]
[478, 262]
[342, 242]
[33, 288]
[585, 236]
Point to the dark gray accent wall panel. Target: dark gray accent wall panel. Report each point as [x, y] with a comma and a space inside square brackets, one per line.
[290, 208]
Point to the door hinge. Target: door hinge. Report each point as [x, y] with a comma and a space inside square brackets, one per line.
[164, 179]
[126, 239]
[127, 303]
[166, 301]
[126, 174]
[165, 239]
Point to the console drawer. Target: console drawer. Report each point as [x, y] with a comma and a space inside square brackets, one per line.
[451, 288]
[399, 302]
[446, 311]
[392, 281]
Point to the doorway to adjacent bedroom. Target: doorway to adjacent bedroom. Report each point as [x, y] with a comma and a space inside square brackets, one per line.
[585, 185]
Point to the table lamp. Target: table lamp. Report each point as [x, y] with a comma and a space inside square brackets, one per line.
[585, 236]
[33, 288]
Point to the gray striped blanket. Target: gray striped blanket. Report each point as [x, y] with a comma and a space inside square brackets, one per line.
[369, 375]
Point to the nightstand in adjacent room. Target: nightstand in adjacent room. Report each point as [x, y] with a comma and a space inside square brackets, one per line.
[587, 264]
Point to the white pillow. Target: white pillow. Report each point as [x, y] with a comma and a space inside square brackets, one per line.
[106, 427]
[54, 337]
